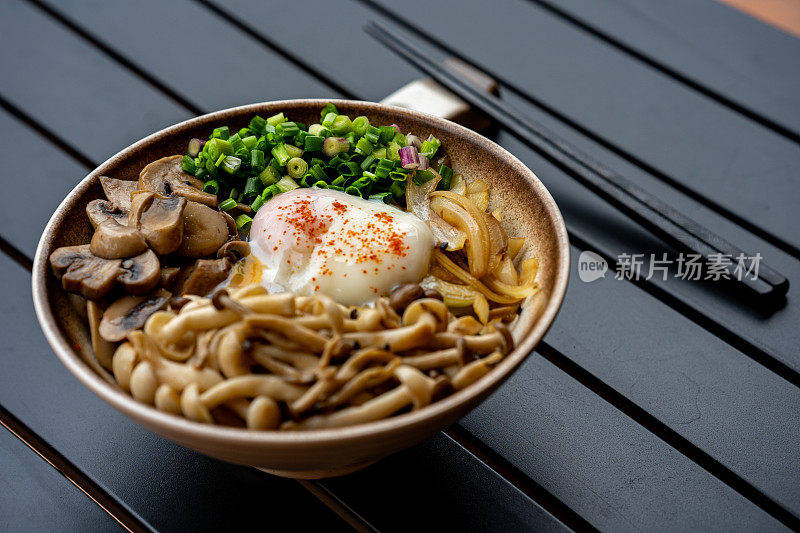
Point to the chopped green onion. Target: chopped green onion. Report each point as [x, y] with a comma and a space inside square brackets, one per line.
[364, 147]
[217, 147]
[387, 133]
[231, 164]
[367, 162]
[341, 180]
[379, 153]
[328, 120]
[228, 204]
[319, 129]
[221, 133]
[360, 126]
[373, 134]
[257, 125]
[353, 191]
[336, 188]
[430, 146]
[211, 187]
[274, 120]
[257, 160]
[188, 164]
[385, 197]
[244, 132]
[220, 160]
[287, 129]
[318, 171]
[294, 151]
[251, 186]
[243, 223]
[349, 168]
[321, 185]
[329, 108]
[269, 175]
[236, 142]
[195, 145]
[250, 141]
[447, 177]
[421, 177]
[400, 139]
[287, 184]
[296, 167]
[257, 203]
[200, 173]
[341, 125]
[281, 154]
[398, 190]
[335, 145]
[313, 143]
[211, 167]
[393, 151]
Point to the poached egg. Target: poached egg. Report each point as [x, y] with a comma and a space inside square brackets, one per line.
[313, 241]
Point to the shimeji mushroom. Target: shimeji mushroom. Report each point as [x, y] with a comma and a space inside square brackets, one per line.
[418, 333]
[415, 389]
[166, 177]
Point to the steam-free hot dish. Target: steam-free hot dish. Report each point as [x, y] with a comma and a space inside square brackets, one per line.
[295, 277]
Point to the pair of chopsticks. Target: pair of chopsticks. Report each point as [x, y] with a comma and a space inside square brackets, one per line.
[678, 230]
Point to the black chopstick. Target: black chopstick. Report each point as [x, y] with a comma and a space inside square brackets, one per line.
[678, 230]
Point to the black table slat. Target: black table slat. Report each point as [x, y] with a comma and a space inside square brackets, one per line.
[74, 89]
[702, 145]
[703, 41]
[36, 497]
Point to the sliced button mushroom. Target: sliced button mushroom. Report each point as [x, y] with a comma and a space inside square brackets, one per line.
[112, 240]
[83, 273]
[205, 275]
[204, 231]
[99, 211]
[166, 177]
[130, 313]
[140, 274]
[160, 219]
[118, 192]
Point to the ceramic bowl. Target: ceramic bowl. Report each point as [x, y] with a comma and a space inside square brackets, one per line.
[528, 210]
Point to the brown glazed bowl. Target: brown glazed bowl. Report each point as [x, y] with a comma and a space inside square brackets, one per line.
[528, 210]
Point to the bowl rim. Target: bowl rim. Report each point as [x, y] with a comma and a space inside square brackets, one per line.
[125, 403]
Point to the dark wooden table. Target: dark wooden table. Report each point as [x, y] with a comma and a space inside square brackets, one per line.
[651, 405]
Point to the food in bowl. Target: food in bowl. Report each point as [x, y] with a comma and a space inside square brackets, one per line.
[292, 277]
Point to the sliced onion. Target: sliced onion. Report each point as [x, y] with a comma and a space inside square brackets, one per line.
[478, 193]
[409, 157]
[515, 244]
[418, 202]
[458, 185]
[515, 291]
[481, 308]
[498, 241]
[454, 295]
[528, 271]
[468, 279]
[477, 247]
[506, 272]
[477, 229]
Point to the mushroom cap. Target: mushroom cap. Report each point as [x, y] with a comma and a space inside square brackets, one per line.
[99, 211]
[140, 274]
[130, 313]
[234, 250]
[84, 273]
[112, 240]
[204, 231]
[118, 192]
[160, 219]
[166, 177]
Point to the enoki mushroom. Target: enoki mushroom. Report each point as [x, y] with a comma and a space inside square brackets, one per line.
[287, 362]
